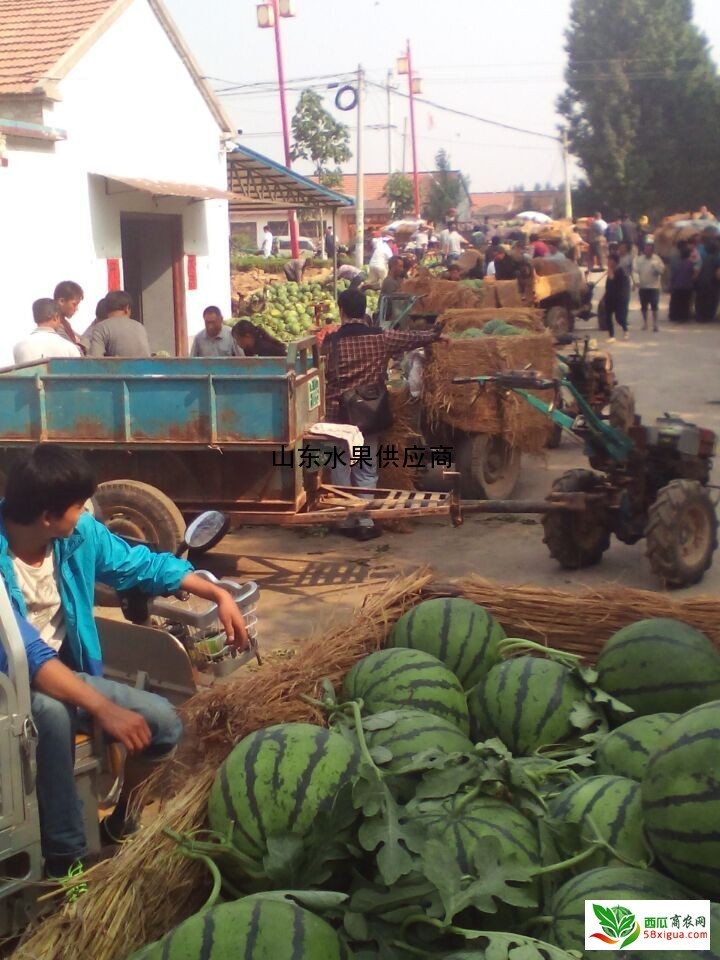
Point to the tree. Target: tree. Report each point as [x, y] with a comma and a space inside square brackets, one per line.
[319, 138]
[641, 103]
[445, 189]
[398, 191]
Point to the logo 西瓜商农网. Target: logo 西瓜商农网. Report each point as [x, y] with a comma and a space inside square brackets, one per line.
[616, 925]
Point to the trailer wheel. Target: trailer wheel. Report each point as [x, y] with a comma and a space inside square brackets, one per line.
[137, 510]
[681, 533]
[622, 408]
[559, 320]
[577, 539]
[489, 467]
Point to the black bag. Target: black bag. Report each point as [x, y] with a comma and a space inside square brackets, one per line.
[366, 407]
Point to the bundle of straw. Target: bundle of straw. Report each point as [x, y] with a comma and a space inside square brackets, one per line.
[438, 295]
[581, 622]
[488, 411]
[525, 318]
[148, 888]
[401, 435]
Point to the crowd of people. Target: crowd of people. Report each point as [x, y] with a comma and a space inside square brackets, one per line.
[116, 333]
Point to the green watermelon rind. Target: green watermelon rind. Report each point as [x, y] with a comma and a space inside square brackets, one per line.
[626, 750]
[461, 634]
[660, 665]
[398, 678]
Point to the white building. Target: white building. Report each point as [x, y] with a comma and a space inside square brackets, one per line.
[113, 170]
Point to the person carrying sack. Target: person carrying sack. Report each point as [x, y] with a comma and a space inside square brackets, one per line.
[357, 356]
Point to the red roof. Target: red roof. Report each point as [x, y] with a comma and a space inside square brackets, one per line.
[36, 35]
[375, 184]
[514, 201]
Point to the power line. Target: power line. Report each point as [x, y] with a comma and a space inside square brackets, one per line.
[470, 116]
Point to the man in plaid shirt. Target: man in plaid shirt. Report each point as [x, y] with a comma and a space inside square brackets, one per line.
[358, 355]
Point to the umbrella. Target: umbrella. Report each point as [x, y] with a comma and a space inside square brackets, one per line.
[534, 216]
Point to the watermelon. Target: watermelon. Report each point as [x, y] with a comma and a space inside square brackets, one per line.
[277, 781]
[527, 702]
[681, 800]
[626, 750]
[399, 678]
[254, 929]
[413, 732]
[460, 826]
[462, 634]
[613, 805]
[567, 907]
[660, 665]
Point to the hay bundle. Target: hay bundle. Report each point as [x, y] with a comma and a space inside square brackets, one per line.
[148, 888]
[525, 318]
[490, 411]
[582, 622]
[438, 295]
[401, 435]
[509, 294]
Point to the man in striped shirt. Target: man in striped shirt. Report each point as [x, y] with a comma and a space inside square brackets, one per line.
[358, 355]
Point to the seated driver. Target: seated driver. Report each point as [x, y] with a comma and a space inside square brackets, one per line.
[51, 554]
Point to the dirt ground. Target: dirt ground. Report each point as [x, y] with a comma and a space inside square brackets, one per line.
[308, 577]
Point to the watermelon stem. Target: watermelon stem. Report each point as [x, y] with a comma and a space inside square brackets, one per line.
[217, 845]
[570, 862]
[513, 645]
[189, 849]
[468, 798]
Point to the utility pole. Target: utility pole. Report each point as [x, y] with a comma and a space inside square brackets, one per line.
[389, 121]
[566, 166]
[276, 14]
[360, 187]
[405, 67]
[404, 142]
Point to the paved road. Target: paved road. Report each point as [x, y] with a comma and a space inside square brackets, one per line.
[307, 578]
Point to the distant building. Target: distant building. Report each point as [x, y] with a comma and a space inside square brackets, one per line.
[114, 171]
[505, 205]
[377, 210]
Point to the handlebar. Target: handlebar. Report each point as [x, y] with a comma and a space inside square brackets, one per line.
[524, 379]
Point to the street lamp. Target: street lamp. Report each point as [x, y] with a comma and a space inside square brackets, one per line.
[268, 15]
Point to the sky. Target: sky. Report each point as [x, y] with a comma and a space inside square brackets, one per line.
[502, 61]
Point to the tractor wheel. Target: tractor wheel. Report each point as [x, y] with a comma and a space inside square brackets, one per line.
[489, 467]
[142, 512]
[622, 408]
[681, 533]
[558, 320]
[576, 539]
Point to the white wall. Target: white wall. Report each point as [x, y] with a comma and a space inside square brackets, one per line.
[130, 107]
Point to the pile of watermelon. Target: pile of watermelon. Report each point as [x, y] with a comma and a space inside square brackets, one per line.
[287, 311]
[470, 792]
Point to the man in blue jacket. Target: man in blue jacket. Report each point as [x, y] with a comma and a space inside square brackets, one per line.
[51, 554]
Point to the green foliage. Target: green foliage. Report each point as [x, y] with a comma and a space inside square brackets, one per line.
[445, 189]
[318, 137]
[398, 191]
[244, 262]
[642, 94]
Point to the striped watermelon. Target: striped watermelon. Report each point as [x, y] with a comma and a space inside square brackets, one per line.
[462, 634]
[527, 702]
[460, 827]
[625, 751]
[681, 800]
[567, 907]
[251, 929]
[660, 665]
[277, 781]
[413, 732]
[613, 805]
[392, 679]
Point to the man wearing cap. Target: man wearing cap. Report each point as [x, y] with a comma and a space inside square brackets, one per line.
[649, 269]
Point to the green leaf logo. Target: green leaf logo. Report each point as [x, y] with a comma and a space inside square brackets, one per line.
[618, 924]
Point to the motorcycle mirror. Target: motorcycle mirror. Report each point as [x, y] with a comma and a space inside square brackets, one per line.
[205, 531]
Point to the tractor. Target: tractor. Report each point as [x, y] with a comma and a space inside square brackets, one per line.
[648, 481]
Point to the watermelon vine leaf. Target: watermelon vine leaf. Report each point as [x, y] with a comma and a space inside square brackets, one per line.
[491, 881]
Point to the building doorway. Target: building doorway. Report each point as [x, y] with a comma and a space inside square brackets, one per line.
[153, 275]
